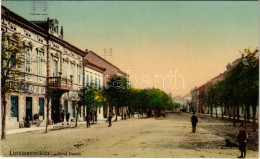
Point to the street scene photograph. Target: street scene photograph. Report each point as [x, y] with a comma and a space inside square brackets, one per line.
[129, 79]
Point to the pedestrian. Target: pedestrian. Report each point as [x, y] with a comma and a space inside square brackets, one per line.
[124, 116]
[67, 116]
[128, 114]
[93, 117]
[62, 116]
[27, 122]
[87, 118]
[36, 118]
[132, 114]
[109, 120]
[242, 137]
[194, 121]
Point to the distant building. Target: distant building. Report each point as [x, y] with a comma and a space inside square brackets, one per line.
[187, 102]
[198, 101]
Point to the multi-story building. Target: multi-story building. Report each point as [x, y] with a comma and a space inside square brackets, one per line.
[93, 75]
[110, 70]
[49, 61]
[52, 67]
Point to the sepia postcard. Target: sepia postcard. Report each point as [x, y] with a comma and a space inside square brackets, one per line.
[129, 79]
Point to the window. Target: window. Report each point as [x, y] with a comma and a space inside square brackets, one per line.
[65, 69]
[55, 68]
[87, 79]
[99, 83]
[72, 69]
[95, 81]
[14, 106]
[40, 64]
[13, 60]
[13, 28]
[27, 62]
[79, 75]
[91, 80]
[41, 106]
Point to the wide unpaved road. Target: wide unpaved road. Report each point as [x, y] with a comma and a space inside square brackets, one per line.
[147, 137]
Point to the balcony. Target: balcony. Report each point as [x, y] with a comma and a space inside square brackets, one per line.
[60, 83]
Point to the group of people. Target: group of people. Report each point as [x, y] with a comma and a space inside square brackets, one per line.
[88, 119]
[62, 114]
[242, 135]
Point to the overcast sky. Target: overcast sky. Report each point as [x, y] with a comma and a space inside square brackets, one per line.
[194, 39]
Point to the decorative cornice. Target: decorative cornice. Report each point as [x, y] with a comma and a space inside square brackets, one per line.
[55, 55]
[22, 22]
[56, 49]
[66, 59]
[73, 62]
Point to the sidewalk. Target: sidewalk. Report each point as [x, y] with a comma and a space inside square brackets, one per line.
[241, 119]
[52, 127]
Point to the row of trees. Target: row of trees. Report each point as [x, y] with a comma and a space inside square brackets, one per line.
[239, 89]
[119, 94]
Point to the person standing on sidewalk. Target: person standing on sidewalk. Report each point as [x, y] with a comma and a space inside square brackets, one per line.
[62, 116]
[67, 117]
[87, 118]
[194, 121]
[109, 120]
[242, 137]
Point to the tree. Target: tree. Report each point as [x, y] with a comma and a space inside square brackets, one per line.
[117, 92]
[210, 99]
[176, 105]
[88, 96]
[250, 81]
[12, 61]
[157, 100]
[239, 89]
[47, 96]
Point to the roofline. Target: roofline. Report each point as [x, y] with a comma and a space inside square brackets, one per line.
[125, 74]
[95, 67]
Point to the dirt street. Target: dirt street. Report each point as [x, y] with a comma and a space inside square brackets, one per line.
[146, 137]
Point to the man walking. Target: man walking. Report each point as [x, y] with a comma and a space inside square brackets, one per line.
[87, 118]
[242, 137]
[194, 121]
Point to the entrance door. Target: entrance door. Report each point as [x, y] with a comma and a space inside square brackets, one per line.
[73, 109]
[29, 107]
[41, 107]
[14, 107]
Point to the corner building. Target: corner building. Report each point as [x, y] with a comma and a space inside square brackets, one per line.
[49, 61]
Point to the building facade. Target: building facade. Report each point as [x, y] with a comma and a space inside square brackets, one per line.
[52, 68]
[110, 70]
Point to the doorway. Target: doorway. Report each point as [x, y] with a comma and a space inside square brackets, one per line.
[29, 108]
